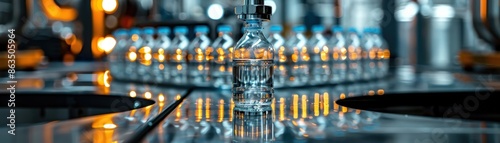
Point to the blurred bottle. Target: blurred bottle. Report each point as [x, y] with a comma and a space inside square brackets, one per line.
[354, 57]
[221, 70]
[383, 54]
[135, 43]
[369, 54]
[280, 58]
[199, 52]
[117, 57]
[299, 57]
[319, 52]
[339, 55]
[145, 54]
[160, 55]
[178, 56]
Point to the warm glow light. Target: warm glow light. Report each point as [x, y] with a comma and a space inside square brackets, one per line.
[147, 95]
[326, 103]
[109, 126]
[304, 106]
[282, 109]
[295, 106]
[316, 104]
[132, 94]
[109, 6]
[54, 12]
[199, 111]
[106, 44]
[207, 108]
[161, 98]
[221, 110]
[215, 11]
[106, 78]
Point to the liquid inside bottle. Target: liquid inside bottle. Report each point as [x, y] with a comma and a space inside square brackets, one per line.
[253, 70]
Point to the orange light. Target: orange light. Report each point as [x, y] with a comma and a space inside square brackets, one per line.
[161, 97]
[304, 106]
[106, 44]
[54, 12]
[132, 94]
[316, 104]
[326, 103]
[221, 110]
[68, 59]
[109, 6]
[147, 95]
[295, 106]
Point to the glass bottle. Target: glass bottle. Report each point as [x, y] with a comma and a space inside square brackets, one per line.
[199, 52]
[280, 58]
[338, 55]
[253, 70]
[296, 49]
[145, 56]
[160, 55]
[135, 42]
[319, 52]
[116, 58]
[222, 57]
[178, 56]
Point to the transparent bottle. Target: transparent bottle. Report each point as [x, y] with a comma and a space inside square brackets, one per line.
[135, 43]
[145, 56]
[338, 55]
[319, 52]
[221, 70]
[383, 54]
[369, 54]
[253, 70]
[199, 52]
[160, 55]
[117, 59]
[299, 57]
[280, 58]
[178, 56]
[354, 51]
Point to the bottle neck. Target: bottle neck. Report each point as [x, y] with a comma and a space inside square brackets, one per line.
[253, 25]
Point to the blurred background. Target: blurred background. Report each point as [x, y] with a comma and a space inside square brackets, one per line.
[430, 33]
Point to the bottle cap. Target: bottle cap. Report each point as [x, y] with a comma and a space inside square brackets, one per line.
[181, 29]
[299, 28]
[276, 28]
[337, 29]
[201, 29]
[135, 31]
[368, 30]
[376, 30]
[148, 30]
[352, 30]
[163, 30]
[318, 28]
[224, 28]
[120, 32]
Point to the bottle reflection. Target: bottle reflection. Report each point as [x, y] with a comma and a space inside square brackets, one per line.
[253, 126]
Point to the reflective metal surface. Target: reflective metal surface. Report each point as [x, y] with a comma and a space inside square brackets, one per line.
[299, 114]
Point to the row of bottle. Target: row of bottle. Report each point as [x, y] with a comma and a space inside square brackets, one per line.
[138, 56]
[345, 57]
